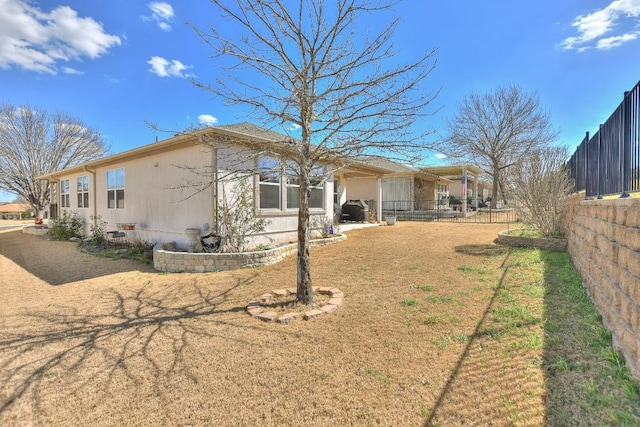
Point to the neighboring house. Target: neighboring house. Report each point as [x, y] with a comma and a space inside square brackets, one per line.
[15, 210]
[398, 187]
[166, 187]
[466, 183]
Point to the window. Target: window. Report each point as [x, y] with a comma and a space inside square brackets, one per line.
[83, 191]
[274, 177]
[270, 182]
[65, 190]
[316, 200]
[115, 189]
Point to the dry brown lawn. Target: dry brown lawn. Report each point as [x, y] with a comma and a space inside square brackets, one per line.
[93, 341]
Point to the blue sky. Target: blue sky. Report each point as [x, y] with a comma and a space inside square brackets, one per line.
[115, 64]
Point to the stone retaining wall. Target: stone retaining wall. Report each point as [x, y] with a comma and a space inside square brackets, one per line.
[201, 262]
[604, 243]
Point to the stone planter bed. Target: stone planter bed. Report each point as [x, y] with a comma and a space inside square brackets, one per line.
[201, 262]
[256, 309]
[505, 237]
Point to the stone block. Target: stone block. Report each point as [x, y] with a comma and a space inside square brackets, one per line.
[329, 308]
[312, 314]
[255, 311]
[324, 290]
[335, 301]
[280, 292]
[292, 291]
[267, 316]
[253, 303]
[286, 318]
[265, 298]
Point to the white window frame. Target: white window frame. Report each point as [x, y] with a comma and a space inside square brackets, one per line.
[275, 173]
[65, 193]
[116, 189]
[82, 190]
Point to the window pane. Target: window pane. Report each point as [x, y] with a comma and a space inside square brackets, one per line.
[111, 203]
[85, 196]
[316, 201]
[120, 178]
[120, 199]
[269, 196]
[79, 184]
[111, 180]
[293, 197]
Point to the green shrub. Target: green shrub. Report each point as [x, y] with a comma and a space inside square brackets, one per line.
[66, 226]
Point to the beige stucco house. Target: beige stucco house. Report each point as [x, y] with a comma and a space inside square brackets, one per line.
[162, 189]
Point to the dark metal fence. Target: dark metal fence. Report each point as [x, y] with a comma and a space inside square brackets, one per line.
[609, 162]
[441, 210]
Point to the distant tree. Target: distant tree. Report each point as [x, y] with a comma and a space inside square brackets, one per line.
[314, 65]
[539, 183]
[497, 129]
[34, 142]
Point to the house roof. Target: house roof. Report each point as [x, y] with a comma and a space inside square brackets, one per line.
[15, 207]
[251, 130]
[453, 170]
[242, 133]
[398, 168]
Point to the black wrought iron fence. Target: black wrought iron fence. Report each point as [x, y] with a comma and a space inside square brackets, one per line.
[443, 210]
[609, 161]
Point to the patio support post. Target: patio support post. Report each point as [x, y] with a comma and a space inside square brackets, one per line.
[463, 191]
[475, 191]
[379, 202]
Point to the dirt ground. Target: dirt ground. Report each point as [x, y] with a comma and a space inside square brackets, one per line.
[92, 341]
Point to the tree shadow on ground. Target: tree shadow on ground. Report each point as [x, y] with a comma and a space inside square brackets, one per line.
[58, 263]
[482, 250]
[140, 333]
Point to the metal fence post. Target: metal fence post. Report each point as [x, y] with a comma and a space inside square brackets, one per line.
[626, 145]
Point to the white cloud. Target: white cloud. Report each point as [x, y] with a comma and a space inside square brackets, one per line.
[164, 68]
[36, 40]
[294, 127]
[207, 119]
[161, 13]
[440, 156]
[592, 27]
[69, 70]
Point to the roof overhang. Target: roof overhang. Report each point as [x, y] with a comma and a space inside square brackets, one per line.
[452, 170]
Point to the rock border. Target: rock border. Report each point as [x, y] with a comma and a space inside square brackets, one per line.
[546, 243]
[255, 309]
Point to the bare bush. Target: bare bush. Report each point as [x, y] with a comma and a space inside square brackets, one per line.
[540, 184]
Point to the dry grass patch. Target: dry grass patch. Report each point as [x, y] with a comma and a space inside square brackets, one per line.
[438, 327]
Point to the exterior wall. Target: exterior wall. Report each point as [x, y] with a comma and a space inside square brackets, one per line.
[154, 199]
[168, 192]
[604, 243]
[361, 189]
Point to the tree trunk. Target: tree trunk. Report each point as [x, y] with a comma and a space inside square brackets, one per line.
[304, 287]
[494, 190]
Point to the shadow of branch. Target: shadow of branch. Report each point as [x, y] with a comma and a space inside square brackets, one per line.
[153, 325]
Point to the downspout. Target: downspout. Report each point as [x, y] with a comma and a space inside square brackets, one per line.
[94, 189]
[214, 189]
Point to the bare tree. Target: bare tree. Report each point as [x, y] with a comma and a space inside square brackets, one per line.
[540, 184]
[497, 129]
[312, 64]
[34, 142]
